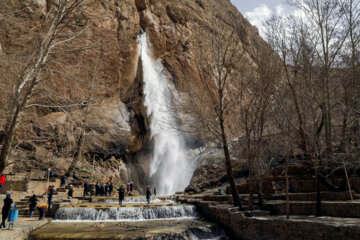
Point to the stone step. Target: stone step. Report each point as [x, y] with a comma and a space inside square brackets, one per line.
[325, 196]
[345, 209]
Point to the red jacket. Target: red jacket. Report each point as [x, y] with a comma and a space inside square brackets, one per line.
[2, 179]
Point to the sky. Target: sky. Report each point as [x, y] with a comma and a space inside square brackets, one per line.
[257, 11]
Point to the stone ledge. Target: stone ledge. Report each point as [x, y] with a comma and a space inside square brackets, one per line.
[262, 227]
[22, 228]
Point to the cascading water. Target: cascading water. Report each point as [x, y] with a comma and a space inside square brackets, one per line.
[128, 200]
[170, 168]
[126, 213]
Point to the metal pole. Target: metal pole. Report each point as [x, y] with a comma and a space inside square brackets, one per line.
[48, 178]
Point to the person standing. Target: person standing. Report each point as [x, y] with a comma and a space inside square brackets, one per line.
[2, 181]
[111, 188]
[102, 190]
[97, 189]
[51, 192]
[71, 192]
[63, 180]
[42, 208]
[148, 194]
[106, 189]
[32, 206]
[121, 194]
[86, 188]
[5, 210]
[155, 191]
[128, 188]
[131, 187]
[75, 175]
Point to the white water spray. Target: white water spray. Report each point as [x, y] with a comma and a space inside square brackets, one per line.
[170, 168]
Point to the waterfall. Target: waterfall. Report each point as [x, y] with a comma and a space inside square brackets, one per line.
[126, 213]
[170, 167]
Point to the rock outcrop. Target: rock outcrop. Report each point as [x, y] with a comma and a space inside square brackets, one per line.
[117, 124]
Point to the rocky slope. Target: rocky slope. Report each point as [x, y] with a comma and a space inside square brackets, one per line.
[116, 124]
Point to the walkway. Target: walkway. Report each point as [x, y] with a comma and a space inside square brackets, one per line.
[22, 228]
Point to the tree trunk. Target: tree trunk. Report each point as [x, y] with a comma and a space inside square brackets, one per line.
[260, 194]
[328, 134]
[251, 193]
[5, 150]
[348, 181]
[343, 132]
[318, 196]
[287, 188]
[77, 154]
[229, 170]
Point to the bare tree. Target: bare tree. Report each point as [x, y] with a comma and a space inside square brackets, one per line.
[253, 115]
[299, 89]
[350, 71]
[325, 16]
[225, 70]
[52, 39]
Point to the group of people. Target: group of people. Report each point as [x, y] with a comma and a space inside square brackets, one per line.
[103, 190]
[42, 207]
[130, 187]
[121, 191]
[100, 190]
[32, 206]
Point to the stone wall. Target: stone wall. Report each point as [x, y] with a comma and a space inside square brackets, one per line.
[278, 228]
[333, 209]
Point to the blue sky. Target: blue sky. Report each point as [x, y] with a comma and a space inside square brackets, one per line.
[248, 6]
[257, 11]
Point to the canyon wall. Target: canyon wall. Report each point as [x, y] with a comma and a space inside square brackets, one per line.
[116, 123]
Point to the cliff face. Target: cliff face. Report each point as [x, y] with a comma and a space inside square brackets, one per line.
[116, 124]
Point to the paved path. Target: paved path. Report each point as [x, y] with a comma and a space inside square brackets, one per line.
[22, 228]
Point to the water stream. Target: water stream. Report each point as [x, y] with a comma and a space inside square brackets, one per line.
[128, 200]
[128, 222]
[126, 213]
[170, 169]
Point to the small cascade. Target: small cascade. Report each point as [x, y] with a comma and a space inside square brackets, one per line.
[128, 200]
[126, 213]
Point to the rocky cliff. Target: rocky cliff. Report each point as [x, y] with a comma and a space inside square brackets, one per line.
[116, 124]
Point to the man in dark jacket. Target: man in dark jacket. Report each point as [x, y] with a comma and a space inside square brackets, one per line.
[131, 187]
[86, 188]
[111, 187]
[102, 190]
[121, 194]
[32, 206]
[97, 189]
[51, 192]
[106, 189]
[5, 210]
[148, 194]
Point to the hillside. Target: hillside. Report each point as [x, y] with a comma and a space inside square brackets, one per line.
[116, 125]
